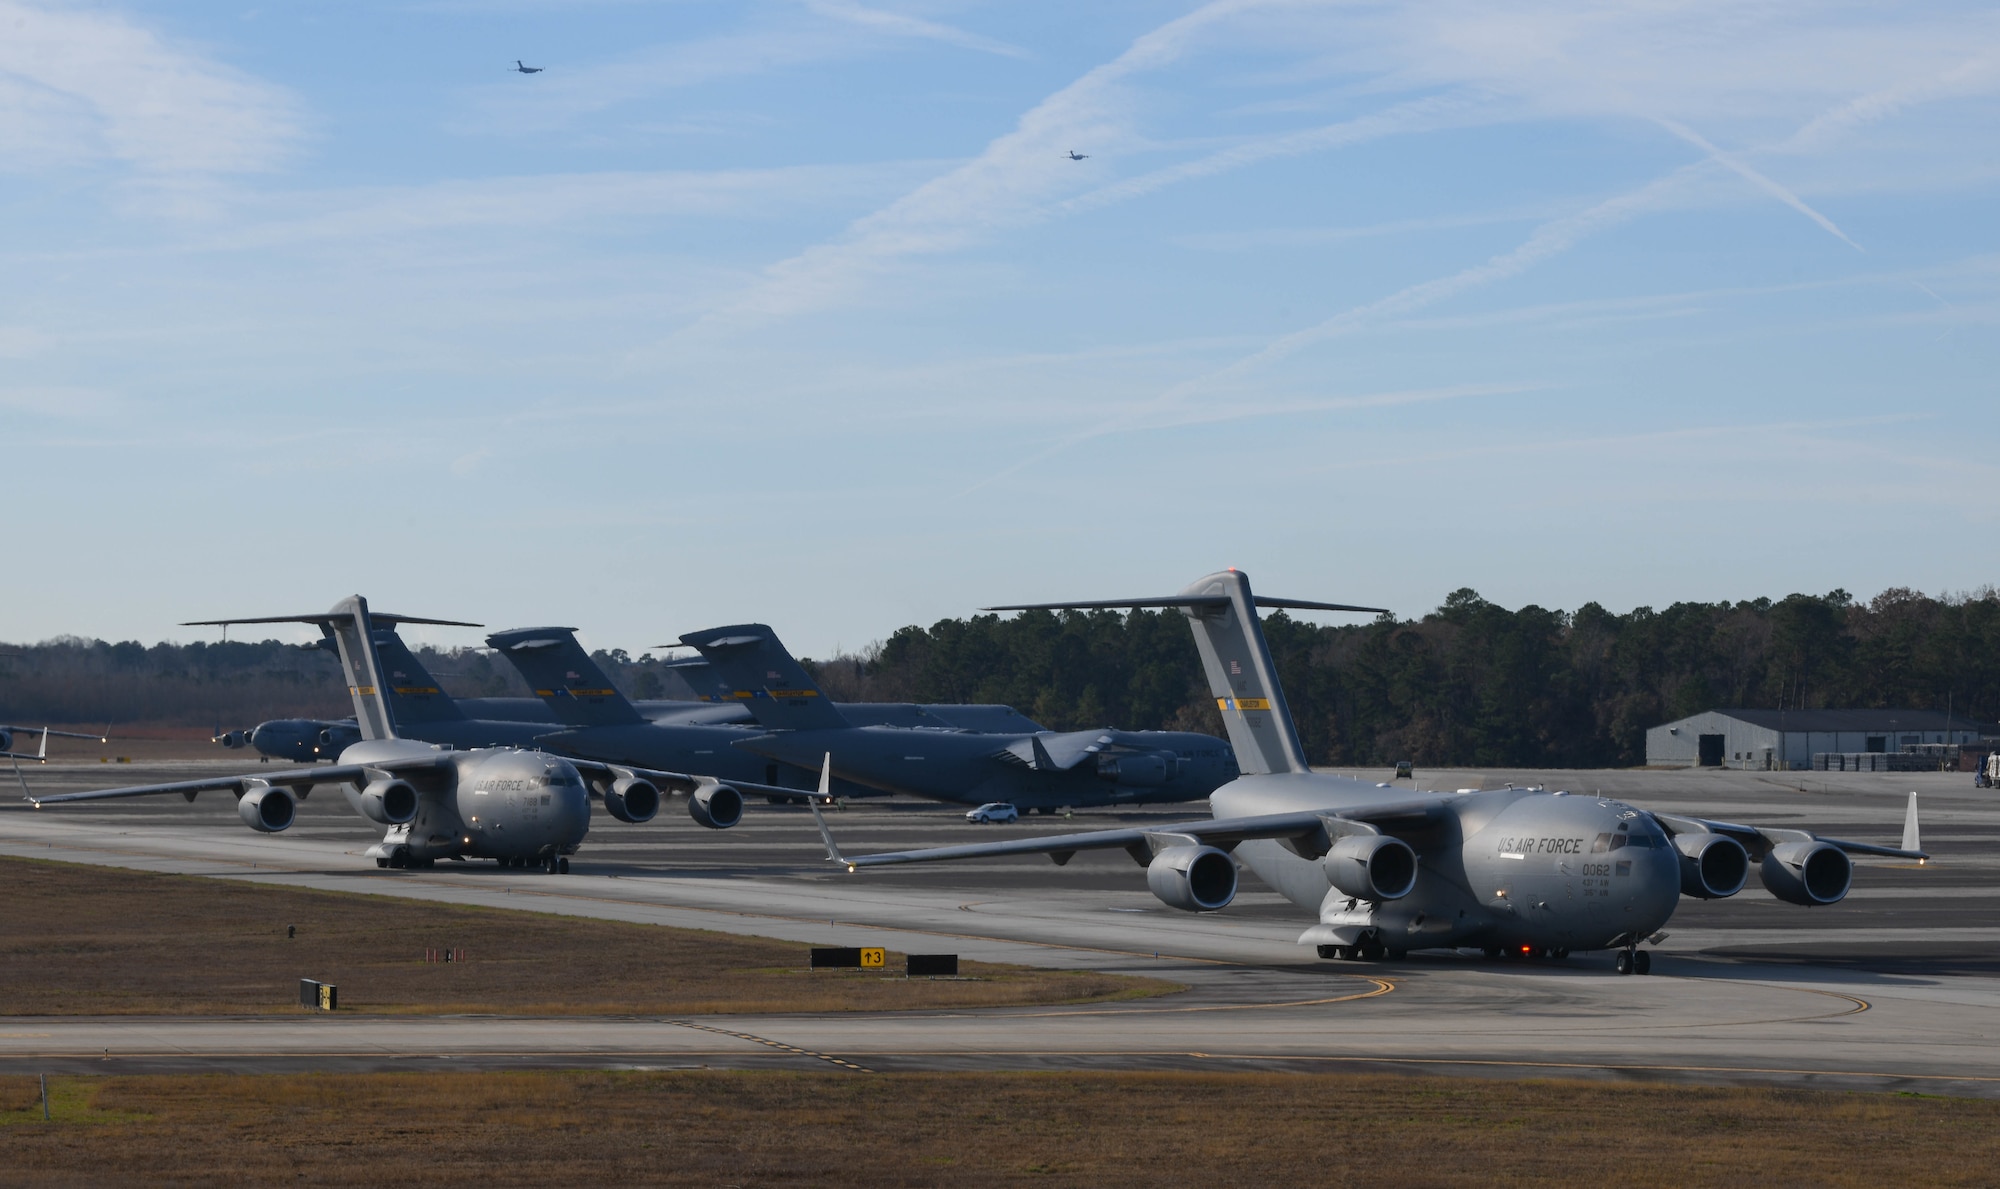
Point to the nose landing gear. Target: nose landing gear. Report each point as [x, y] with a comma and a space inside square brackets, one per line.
[1634, 961]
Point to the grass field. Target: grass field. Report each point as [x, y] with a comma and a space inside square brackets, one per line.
[712, 1128]
[80, 940]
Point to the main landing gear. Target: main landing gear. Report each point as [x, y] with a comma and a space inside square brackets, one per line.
[547, 864]
[1369, 949]
[1634, 961]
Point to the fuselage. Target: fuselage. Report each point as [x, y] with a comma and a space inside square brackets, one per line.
[1147, 767]
[1514, 867]
[496, 803]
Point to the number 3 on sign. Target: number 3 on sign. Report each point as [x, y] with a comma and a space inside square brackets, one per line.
[874, 959]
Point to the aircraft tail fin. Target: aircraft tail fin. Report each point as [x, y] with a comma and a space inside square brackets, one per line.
[747, 663]
[562, 674]
[352, 627]
[414, 695]
[1241, 674]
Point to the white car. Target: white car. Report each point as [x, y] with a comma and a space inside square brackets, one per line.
[994, 812]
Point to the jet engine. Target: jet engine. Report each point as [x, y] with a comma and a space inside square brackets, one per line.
[1808, 873]
[389, 801]
[630, 799]
[267, 809]
[1713, 866]
[1193, 878]
[229, 739]
[6, 739]
[716, 806]
[1144, 769]
[1371, 867]
[338, 738]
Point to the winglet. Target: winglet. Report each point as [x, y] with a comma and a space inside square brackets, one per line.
[833, 854]
[1910, 834]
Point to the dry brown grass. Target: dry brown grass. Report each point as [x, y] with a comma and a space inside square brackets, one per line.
[710, 1128]
[78, 940]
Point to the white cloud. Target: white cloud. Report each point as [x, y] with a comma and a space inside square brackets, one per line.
[81, 85]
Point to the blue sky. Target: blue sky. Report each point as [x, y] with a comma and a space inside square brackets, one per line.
[799, 312]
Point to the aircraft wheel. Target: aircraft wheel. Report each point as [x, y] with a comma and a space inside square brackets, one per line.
[381, 862]
[1642, 962]
[562, 866]
[1558, 954]
[1624, 963]
[1491, 952]
[1329, 951]
[1371, 950]
[399, 858]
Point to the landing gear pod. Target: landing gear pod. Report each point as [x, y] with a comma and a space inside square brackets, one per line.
[1713, 866]
[267, 809]
[1371, 867]
[716, 806]
[390, 802]
[1808, 873]
[632, 800]
[1193, 878]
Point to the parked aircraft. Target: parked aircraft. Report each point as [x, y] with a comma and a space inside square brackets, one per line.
[520, 807]
[1033, 769]
[1521, 870]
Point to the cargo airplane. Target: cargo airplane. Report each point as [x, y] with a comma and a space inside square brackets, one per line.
[1386, 871]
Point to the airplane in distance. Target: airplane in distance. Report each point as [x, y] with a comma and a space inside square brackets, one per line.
[1033, 769]
[1076, 156]
[520, 69]
[519, 807]
[1522, 871]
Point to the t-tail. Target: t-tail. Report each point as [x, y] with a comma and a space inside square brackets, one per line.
[1242, 677]
[562, 674]
[352, 628]
[747, 664]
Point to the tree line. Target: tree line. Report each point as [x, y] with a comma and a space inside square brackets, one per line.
[1469, 684]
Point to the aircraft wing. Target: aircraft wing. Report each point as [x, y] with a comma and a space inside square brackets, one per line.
[1759, 840]
[682, 782]
[50, 733]
[1308, 832]
[291, 778]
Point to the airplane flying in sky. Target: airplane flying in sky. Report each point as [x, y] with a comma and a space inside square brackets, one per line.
[1388, 871]
[520, 69]
[1076, 156]
[1030, 768]
[520, 807]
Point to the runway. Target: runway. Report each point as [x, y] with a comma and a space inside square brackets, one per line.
[1895, 988]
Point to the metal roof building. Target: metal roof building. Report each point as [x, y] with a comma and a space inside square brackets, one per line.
[1785, 739]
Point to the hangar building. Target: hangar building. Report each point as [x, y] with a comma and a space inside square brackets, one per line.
[1785, 739]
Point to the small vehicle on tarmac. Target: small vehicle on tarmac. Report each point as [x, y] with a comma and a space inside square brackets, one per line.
[997, 813]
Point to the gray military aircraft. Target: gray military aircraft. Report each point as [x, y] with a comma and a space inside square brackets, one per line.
[1033, 769]
[1522, 870]
[520, 807]
[521, 69]
[1076, 156]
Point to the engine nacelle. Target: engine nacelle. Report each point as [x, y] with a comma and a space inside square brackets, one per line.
[389, 801]
[1143, 769]
[1713, 866]
[229, 739]
[6, 739]
[1193, 878]
[630, 799]
[338, 738]
[716, 806]
[267, 809]
[1808, 873]
[1371, 867]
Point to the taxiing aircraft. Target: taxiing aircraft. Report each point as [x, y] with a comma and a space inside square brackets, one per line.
[520, 69]
[1032, 769]
[520, 807]
[1522, 870]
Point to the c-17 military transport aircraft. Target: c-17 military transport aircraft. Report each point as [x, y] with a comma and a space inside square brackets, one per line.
[1526, 870]
[518, 806]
